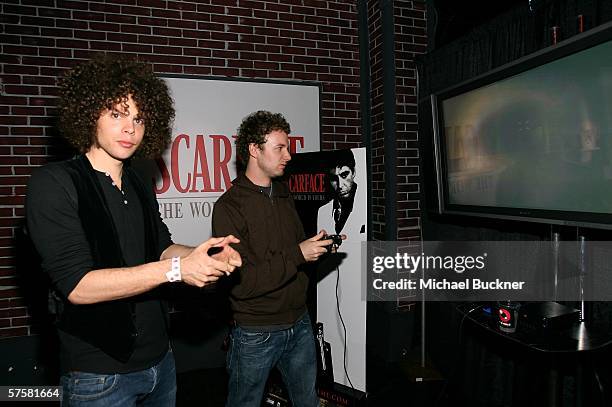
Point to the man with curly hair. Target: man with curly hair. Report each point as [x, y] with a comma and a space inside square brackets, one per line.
[103, 244]
[268, 293]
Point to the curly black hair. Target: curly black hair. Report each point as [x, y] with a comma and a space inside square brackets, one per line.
[102, 83]
[254, 128]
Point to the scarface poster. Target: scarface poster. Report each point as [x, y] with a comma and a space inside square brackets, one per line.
[330, 192]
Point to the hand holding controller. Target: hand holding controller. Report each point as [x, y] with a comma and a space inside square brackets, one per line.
[336, 242]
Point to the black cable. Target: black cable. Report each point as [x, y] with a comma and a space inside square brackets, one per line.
[343, 327]
[600, 385]
[456, 365]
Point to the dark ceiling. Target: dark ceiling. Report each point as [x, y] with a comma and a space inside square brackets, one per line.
[455, 18]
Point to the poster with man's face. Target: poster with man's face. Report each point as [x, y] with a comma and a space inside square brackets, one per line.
[330, 193]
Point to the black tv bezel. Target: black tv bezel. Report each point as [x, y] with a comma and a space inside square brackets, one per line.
[565, 48]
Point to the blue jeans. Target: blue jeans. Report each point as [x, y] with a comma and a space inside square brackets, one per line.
[253, 354]
[155, 386]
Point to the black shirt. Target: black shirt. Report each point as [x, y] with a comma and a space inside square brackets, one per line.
[56, 230]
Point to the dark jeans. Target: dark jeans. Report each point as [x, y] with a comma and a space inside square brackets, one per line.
[155, 386]
[253, 354]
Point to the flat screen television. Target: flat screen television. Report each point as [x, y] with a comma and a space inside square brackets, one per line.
[531, 140]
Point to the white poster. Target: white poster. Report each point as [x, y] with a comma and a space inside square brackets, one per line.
[345, 213]
[199, 165]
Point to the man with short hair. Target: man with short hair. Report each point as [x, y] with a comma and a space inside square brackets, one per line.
[99, 233]
[268, 293]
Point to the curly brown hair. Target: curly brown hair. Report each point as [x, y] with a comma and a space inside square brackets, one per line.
[254, 128]
[102, 83]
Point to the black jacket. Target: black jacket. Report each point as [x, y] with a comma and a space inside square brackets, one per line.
[268, 289]
[108, 325]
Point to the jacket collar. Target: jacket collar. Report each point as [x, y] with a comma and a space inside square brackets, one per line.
[279, 187]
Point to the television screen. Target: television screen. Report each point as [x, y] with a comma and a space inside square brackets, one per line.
[534, 139]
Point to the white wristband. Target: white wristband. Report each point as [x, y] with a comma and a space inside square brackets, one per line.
[175, 273]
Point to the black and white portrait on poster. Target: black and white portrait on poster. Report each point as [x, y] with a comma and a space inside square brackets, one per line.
[330, 192]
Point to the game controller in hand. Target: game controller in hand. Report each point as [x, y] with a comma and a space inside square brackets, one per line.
[336, 242]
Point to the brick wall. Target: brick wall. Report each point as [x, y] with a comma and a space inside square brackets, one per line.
[410, 40]
[289, 40]
[378, 157]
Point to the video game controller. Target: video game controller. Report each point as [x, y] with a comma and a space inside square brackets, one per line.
[336, 242]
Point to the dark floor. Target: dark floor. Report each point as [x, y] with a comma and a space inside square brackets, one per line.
[208, 387]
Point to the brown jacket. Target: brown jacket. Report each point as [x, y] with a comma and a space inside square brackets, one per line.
[268, 289]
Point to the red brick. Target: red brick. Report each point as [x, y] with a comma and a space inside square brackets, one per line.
[229, 3]
[224, 19]
[211, 26]
[183, 24]
[49, 91]
[20, 30]
[181, 5]
[151, 3]
[244, 12]
[253, 73]
[167, 50]
[38, 41]
[208, 8]
[90, 35]
[21, 321]
[11, 332]
[107, 9]
[170, 59]
[165, 68]
[136, 29]
[211, 44]
[122, 37]
[241, 46]
[240, 63]
[165, 13]
[13, 120]
[55, 52]
[156, 40]
[223, 36]
[280, 58]
[197, 52]
[120, 18]
[20, 50]
[278, 41]
[23, 110]
[19, 10]
[224, 54]
[53, 12]
[307, 76]
[196, 34]
[145, 49]
[211, 62]
[139, 11]
[12, 79]
[196, 16]
[101, 26]
[158, 22]
[252, 39]
[37, 141]
[225, 71]
[105, 46]
[197, 70]
[64, 43]
[183, 42]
